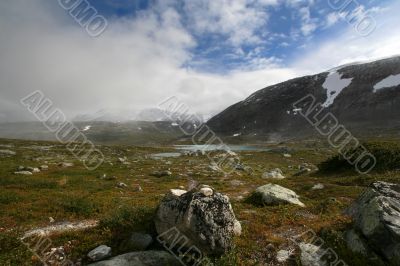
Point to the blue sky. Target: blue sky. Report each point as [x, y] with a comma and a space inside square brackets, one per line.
[250, 34]
[208, 53]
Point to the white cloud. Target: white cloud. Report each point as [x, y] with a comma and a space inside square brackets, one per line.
[309, 25]
[238, 20]
[137, 63]
[332, 19]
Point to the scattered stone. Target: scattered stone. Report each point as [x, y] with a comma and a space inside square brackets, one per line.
[104, 176]
[214, 167]
[65, 165]
[33, 169]
[161, 173]
[272, 194]
[141, 258]
[23, 173]
[44, 167]
[274, 174]
[318, 186]
[137, 188]
[236, 183]
[7, 153]
[376, 218]
[311, 255]
[122, 185]
[207, 221]
[8, 146]
[302, 172]
[140, 241]
[122, 160]
[99, 253]
[283, 255]
[55, 256]
[240, 167]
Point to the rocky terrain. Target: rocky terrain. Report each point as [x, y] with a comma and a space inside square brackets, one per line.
[141, 209]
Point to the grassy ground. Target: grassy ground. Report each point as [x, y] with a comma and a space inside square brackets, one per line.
[75, 194]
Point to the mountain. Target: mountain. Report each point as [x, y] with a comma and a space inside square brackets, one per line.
[128, 115]
[110, 115]
[359, 95]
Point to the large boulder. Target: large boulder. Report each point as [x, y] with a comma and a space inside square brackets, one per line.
[272, 194]
[141, 258]
[203, 216]
[376, 215]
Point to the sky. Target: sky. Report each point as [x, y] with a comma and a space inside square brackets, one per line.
[209, 54]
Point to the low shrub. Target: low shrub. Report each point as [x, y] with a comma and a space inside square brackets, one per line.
[387, 155]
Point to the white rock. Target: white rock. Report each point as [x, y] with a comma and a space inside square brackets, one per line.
[206, 191]
[8, 152]
[100, 253]
[65, 165]
[283, 255]
[177, 192]
[122, 185]
[237, 228]
[43, 167]
[272, 194]
[23, 173]
[318, 186]
[274, 174]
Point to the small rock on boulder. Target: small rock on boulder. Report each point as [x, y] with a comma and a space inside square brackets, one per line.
[202, 215]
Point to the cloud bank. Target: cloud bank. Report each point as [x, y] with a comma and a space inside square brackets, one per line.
[141, 60]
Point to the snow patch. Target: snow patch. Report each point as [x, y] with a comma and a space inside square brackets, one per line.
[391, 81]
[334, 85]
[86, 128]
